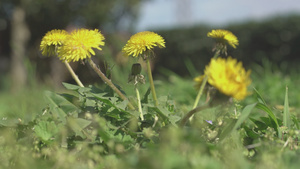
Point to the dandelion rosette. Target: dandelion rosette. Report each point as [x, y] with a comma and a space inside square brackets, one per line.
[223, 37]
[80, 45]
[229, 77]
[52, 40]
[141, 42]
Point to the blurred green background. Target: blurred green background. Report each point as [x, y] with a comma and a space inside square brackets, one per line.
[23, 23]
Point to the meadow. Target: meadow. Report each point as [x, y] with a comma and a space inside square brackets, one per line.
[156, 123]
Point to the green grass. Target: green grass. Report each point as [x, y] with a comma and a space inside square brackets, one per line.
[21, 107]
[65, 131]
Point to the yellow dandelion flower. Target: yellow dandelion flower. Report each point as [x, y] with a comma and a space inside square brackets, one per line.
[52, 40]
[229, 77]
[142, 41]
[198, 81]
[224, 36]
[79, 45]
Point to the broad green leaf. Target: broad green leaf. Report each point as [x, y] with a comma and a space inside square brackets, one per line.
[163, 99]
[251, 133]
[244, 115]
[77, 125]
[57, 112]
[165, 114]
[104, 130]
[89, 102]
[69, 97]
[169, 115]
[122, 105]
[228, 128]
[59, 106]
[45, 130]
[78, 89]
[71, 86]
[114, 104]
[233, 124]
[123, 138]
[159, 112]
[174, 119]
[114, 113]
[286, 111]
[106, 100]
[268, 122]
[260, 125]
[145, 99]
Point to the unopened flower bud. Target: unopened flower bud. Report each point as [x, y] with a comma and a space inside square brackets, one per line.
[136, 69]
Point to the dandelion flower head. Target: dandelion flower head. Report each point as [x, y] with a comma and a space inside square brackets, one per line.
[224, 36]
[229, 77]
[52, 40]
[142, 41]
[80, 45]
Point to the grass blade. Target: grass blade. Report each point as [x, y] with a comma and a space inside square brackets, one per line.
[233, 124]
[259, 97]
[286, 111]
[244, 115]
[295, 121]
[263, 106]
[266, 109]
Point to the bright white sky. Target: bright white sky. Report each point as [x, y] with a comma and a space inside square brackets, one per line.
[169, 13]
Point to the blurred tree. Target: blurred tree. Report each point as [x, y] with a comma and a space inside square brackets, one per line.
[19, 37]
[29, 20]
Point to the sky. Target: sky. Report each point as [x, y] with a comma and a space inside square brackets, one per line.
[157, 14]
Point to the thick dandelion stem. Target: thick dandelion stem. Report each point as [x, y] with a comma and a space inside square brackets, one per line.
[202, 86]
[191, 113]
[200, 91]
[75, 77]
[109, 83]
[199, 95]
[139, 103]
[151, 82]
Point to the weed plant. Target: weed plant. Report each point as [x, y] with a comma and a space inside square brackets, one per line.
[229, 121]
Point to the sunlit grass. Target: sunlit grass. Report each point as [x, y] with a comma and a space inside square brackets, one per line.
[176, 148]
[21, 107]
[99, 125]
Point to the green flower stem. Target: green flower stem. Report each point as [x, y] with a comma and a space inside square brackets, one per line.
[191, 113]
[151, 82]
[109, 83]
[139, 103]
[202, 87]
[204, 81]
[75, 77]
[203, 84]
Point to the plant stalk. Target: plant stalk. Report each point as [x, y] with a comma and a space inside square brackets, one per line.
[203, 84]
[200, 91]
[202, 87]
[151, 82]
[191, 113]
[75, 77]
[108, 82]
[139, 103]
